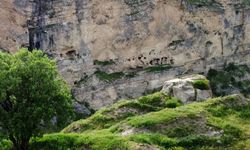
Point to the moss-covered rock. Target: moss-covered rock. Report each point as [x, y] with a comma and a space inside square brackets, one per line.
[109, 116]
[218, 123]
[188, 88]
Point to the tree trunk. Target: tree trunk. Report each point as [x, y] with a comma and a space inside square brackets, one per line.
[22, 144]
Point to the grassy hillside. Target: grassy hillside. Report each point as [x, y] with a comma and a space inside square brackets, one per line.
[158, 122]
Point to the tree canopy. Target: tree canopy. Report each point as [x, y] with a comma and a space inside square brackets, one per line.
[33, 96]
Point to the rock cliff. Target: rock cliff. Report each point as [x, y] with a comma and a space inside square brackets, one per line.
[113, 49]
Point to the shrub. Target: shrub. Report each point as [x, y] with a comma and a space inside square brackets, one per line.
[228, 80]
[5, 144]
[201, 84]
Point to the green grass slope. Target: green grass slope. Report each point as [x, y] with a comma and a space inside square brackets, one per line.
[158, 122]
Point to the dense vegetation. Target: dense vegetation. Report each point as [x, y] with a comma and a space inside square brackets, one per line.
[233, 78]
[33, 97]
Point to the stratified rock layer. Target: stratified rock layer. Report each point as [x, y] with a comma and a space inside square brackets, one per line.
[133, 35]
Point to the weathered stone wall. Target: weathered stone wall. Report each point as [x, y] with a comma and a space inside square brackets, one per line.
[13, 29]
[132, 34]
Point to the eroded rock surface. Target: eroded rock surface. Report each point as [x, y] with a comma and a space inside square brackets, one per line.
[133, 34]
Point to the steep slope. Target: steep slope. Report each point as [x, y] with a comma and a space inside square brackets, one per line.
[219, 123]
[107, 49]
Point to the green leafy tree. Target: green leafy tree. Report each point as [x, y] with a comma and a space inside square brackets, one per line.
[33, 96]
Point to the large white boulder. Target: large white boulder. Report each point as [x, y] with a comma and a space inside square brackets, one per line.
[189, 88]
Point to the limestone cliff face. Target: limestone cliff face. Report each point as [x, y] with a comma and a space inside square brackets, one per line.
[13, 30]
[129, 36]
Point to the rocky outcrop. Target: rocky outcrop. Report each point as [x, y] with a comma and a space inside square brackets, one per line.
[133, 35]
[188, 89]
